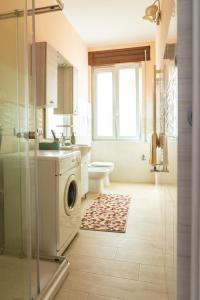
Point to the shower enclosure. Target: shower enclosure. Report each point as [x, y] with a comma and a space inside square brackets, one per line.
[167, 114]
[24, 275]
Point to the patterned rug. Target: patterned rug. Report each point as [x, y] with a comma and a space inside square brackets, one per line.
[108, 212]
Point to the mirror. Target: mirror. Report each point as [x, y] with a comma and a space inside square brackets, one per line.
[65, 87]
[60, 119]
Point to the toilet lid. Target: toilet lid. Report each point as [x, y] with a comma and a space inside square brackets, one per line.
[102, 164]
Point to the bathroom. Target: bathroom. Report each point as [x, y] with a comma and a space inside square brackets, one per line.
[75, 137]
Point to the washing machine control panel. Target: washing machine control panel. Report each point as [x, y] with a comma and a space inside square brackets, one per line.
[68, 163]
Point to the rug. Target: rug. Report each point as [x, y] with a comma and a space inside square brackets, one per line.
[108, 212]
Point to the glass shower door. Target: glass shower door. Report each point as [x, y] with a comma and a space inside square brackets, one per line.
[18, 274]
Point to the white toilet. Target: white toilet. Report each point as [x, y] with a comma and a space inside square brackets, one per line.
[98, 173]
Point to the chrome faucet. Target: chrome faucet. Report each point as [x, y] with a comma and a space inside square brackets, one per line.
[54, 135]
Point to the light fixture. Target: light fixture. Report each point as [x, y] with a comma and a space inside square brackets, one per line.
[153, 13]
[61, 4]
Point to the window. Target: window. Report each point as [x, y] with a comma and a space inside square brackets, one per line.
[116, 102]
[104, 102]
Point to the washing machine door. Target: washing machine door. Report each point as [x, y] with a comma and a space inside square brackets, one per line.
[71, 195]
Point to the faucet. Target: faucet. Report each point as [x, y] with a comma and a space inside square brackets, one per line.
[54, 135]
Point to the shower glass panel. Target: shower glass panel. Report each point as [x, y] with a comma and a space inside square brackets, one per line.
[18, 275]
[167, 85]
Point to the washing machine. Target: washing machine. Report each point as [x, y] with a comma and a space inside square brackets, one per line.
[59, 200]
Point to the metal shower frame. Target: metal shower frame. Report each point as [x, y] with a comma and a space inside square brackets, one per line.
[37, 11]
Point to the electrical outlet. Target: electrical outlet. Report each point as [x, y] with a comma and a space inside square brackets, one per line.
[143, 157]
[40, 131]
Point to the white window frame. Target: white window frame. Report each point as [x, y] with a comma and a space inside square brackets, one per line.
[115, 71]
[96, 71]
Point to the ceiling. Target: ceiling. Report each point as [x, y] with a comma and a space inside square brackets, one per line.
[107, 22]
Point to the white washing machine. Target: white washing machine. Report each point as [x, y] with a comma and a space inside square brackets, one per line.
[59, 176]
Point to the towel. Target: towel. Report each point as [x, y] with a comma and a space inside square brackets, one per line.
[153, 151]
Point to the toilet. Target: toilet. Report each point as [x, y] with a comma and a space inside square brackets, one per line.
[98, 173]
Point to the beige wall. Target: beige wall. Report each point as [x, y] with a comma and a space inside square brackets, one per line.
[167, 10]
[59, 33]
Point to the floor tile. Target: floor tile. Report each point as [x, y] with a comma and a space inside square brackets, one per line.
[97, 297]
[145, 255]
[139, 243]
[92, 250]
[71, 295]
[85, 238]
[121, 266]
[104, 267]
[114, 287]
[152, 274]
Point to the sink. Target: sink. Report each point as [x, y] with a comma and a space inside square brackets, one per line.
[84, 149]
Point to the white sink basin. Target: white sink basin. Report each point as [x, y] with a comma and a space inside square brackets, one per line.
[84, 149]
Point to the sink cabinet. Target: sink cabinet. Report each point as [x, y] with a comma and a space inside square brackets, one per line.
[84, 175]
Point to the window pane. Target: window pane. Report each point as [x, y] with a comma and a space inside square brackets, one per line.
[127, 103]
[104, 113]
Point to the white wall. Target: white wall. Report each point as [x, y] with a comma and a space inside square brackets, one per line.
[171, 177]
[129, 166]
[127, 156]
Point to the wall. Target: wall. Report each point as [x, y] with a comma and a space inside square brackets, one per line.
[59, 33]
[127, 156]
[171, 177]
[168, 8]
[129, 153]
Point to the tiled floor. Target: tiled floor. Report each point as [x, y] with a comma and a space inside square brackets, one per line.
[111, 266]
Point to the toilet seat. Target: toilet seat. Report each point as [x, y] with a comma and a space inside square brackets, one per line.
[109, 165]
[102, 164]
